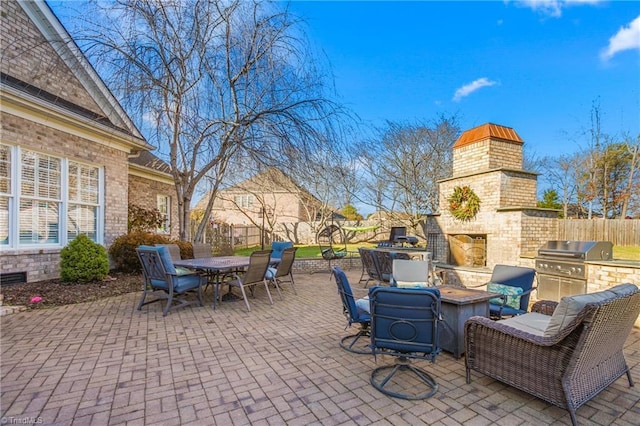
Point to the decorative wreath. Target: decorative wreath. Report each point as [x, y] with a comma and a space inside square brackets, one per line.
[464, 204]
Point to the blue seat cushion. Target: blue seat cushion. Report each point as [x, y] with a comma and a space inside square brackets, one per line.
[271, 273]
[278, 247]
[494, 310]
[363, 306]
[165, 256]
[180, 283]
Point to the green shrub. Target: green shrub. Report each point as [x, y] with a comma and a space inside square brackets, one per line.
[123, 250]
[82, 261]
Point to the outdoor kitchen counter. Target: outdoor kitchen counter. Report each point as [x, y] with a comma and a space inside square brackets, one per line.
[626, 263]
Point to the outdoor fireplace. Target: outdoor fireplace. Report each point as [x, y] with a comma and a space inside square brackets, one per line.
[468, 250]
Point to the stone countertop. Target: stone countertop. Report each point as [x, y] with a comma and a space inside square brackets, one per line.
[626, 263]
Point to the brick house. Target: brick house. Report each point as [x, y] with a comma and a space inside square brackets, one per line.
[271, 191]
[65, 148]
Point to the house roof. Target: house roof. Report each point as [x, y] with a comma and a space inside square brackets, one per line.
[147, 160]
[273, 178]
[61, 41]
[488, 131]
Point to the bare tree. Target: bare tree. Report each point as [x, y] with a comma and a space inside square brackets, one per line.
[633, 148]
[210, 82]
[560, 173]
[407, 161]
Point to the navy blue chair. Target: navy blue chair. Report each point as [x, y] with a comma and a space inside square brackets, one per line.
[354, 315]
[166, 282]
[404, 324]
[505, 278]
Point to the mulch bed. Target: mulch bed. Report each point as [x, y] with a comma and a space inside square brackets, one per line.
[56, 293]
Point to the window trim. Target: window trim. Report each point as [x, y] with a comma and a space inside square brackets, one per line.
[15, 196]
[166, 229]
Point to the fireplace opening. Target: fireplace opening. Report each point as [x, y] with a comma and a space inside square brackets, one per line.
[468, 250]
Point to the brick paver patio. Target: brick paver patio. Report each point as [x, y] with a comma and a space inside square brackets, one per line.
[104, 363]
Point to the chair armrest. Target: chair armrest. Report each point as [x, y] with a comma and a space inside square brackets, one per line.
[545, 307]
[477, 285]
[479, 326]
[516, 357]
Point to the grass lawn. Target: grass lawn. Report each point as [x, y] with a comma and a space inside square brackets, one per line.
[304, 251]
[626, 252]
[619, 252]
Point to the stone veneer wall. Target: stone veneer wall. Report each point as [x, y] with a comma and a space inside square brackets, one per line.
[600, 276]
[485, 155]
[496, 189]
[507, 216]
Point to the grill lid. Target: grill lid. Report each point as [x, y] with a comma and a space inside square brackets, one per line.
[583, 250]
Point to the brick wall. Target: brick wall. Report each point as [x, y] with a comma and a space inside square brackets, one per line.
[35, 136]
[486, 155]
[144, 193]
[27, 56]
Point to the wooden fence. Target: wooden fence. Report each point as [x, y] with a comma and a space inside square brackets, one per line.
[621, 232]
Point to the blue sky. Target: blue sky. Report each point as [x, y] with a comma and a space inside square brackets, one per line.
[536, 66]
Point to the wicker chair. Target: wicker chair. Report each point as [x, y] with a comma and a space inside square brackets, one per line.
[567, 368]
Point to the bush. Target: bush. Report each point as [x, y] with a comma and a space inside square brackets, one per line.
[82, 261]
[123, 250]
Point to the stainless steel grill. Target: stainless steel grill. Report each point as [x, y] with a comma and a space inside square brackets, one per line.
[561, 269]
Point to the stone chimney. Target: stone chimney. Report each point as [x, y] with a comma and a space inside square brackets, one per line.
[488, 160]
[487, 147]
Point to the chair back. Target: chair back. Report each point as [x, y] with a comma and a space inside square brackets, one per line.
[156, 264]
[404, 322]
[201, 251]
[384, 262]
[286, 262]
[366, 256]
[277, 247]
[152, 267]
[515, 276]
[410, 273]
[346, 295]
[174, 250]
[258, 264]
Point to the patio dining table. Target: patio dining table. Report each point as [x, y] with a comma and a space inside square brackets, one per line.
[217, 266]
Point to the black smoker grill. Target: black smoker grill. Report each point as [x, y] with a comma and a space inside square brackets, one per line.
[561, 269]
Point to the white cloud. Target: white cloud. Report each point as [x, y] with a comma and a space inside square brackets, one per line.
[468, 89]
[626, 38]
[552, 8]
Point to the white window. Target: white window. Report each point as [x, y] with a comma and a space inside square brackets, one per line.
[40, 198]
[42, 195]
[164, 207]
[84, 201]
[244, 201]
[5, 193]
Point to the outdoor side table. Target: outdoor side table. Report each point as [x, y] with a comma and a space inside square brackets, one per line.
[457, 305]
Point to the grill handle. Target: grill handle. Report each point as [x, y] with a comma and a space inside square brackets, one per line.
[572, 255]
